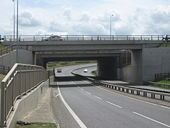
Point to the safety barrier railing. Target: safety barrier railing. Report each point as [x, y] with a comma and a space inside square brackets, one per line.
[21, 79]
[153, 94]
[82, 37]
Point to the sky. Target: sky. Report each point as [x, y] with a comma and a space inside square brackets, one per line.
[87, 17]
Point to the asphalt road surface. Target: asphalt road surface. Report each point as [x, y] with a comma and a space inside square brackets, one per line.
[96, 107]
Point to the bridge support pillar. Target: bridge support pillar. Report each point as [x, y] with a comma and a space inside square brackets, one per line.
[136, 61]
[107, 68]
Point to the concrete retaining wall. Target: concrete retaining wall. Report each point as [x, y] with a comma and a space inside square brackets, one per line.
[155, 60]
[26, 104]
[126, 74]
[9, 59]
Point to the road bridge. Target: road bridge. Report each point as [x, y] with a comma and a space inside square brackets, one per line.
[103, 48]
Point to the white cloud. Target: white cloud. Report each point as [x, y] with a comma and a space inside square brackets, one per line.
[92, 17]
[27, 20]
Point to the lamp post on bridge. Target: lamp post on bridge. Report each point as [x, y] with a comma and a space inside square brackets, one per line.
[111, 25]
[17, 39]
[14, 21]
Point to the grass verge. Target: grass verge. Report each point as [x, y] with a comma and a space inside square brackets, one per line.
[37, 125]
[128, 66]
[162, 86]
[1, 78]
[4, 50]
[94, 73]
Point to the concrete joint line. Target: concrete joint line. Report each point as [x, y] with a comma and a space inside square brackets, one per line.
[151, 119]
[77, 119]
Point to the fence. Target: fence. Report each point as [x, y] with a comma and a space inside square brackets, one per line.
[20, 80]
[83, 37]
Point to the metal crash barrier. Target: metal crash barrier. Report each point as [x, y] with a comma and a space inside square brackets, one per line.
[21, 79]
[153, 94]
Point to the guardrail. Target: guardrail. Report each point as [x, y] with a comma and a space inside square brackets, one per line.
[21, 79]
[153, 94]
[83, 37]
[141, 92]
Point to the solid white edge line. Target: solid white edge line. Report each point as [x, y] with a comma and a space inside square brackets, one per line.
[151, 119]
[113, 104]
[139, 100]
[77, 119]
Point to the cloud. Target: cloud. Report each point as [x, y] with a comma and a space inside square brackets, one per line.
[69, 16]
[67, 13]
[26, 20]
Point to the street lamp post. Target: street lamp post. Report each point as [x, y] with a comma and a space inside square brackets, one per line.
[111, 25]
[14, 22]
[17, 39]
[17, 21]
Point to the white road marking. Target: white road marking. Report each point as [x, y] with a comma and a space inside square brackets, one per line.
[151, 119]
[113, 104]
[88, 92]
[165, 107]
[98, 98]
[80, 123]
[138, 99]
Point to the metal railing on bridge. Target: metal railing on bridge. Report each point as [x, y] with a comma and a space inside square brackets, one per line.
[83, 37]
[21, 79]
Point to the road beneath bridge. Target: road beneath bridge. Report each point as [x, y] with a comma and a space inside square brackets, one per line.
[96, 107]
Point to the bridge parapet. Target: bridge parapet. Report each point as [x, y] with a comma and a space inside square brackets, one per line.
[82, 37]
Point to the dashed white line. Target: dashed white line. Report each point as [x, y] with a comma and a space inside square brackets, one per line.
[88, 93]
[138, 99]
[98, 98]
[77, 119]
[151, 119]
[113, 104]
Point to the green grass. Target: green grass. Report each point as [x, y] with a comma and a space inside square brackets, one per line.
[4, 50]
[162, 86]
[37, 125]
[1, 78]
[128, 66]
[52, 65]
[165, 46]
[94, 73]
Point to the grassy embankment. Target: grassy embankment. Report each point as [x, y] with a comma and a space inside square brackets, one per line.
[37, 125]
[1, 78]
[162, 82]
[4, 50]
[52, 65]
[165, 45]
